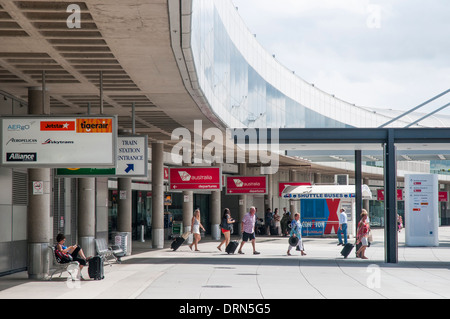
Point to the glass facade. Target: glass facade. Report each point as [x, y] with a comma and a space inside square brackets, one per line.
[246, 87]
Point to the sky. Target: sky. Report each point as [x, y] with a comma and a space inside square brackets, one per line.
[388, 54]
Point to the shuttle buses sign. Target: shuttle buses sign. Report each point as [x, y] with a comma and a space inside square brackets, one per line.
[190, 178]
[35, 141]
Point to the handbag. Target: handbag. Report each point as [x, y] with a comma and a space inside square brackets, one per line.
[370, 238]
[62, 257]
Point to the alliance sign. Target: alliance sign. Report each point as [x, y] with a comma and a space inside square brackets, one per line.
[58, 141]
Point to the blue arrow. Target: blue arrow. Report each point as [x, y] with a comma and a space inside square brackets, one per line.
[130, 167]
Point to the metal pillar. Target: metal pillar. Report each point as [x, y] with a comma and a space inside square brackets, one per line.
[188, 212]
[358, 186]
[390, 200]
[157, 195]
[38, 210]
[124, 218]
[86, 215]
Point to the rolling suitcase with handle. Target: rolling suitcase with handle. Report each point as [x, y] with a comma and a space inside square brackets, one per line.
[232, 246]
[346, 250]
[95, 269]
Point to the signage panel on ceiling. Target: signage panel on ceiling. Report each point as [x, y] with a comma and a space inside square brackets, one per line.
[132, 160]
[58, 141]
[246, 185]
[195, 178]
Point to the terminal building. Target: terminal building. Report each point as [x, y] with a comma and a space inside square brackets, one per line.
[160, 68]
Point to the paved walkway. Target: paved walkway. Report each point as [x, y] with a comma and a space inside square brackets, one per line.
[422, 272]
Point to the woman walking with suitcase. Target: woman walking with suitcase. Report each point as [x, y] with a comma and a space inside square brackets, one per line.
[227, 225]
[196, 224]
[362, 235]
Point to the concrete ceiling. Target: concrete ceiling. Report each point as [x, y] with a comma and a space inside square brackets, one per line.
[128, 41]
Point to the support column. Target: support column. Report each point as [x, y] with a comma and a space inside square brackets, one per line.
[242, 199]
[215, 215]
[188, 212]
[86, 215]
[38, 210]
[366, 203]
[390, 200]
[124, 218]
[358, 186]
[157, 195]
[293, 203]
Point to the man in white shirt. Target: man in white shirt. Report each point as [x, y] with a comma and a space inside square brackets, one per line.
[342, 227]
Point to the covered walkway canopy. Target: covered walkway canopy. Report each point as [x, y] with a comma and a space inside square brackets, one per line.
[358, 140]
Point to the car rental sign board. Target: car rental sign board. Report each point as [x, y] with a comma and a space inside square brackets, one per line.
[190, 178]
[58, 141]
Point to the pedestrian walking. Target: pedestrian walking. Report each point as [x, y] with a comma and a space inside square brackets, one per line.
[276, 223]
[248, 230]
[362, 235]
[227, 226]
[296, 235]
[342, 231]
[268, 220]
[196, 225]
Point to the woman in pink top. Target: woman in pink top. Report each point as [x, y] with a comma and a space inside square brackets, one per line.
[362, 235]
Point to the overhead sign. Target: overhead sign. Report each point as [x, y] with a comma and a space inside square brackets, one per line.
[246, 185]
[191, 178]
[380, 194]
[132, 156]
[55, 141]
[132, 161]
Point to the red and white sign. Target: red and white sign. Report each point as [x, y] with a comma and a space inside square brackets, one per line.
[380, 194]
[186, 178]
[443, 196]
[246, 185]
[282, 186]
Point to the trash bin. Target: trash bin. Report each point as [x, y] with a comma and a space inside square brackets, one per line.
[123, 241]
[177, 229]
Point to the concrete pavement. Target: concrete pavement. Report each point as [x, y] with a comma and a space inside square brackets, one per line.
[422, 272]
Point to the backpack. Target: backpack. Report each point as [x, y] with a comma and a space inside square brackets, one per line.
[62, 257]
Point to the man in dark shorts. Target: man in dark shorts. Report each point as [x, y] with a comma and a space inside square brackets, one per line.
[248, 230]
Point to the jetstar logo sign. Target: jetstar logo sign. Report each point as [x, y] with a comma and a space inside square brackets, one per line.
[94, 125]
[57, 126]
[185, 177]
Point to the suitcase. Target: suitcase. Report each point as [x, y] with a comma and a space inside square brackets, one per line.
[95, 269]
[177, 243]
[231, 248]
[346, 250]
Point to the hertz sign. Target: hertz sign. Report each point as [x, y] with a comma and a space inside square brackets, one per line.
[59, 142]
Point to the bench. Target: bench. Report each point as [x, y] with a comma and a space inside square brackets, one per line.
[105, 251]
[58, 267]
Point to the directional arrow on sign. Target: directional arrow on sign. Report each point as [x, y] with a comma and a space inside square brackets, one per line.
[130, 167]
